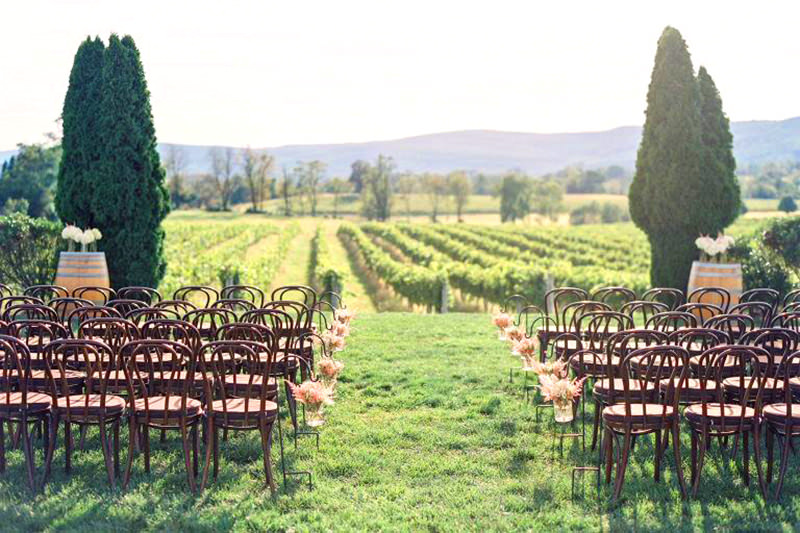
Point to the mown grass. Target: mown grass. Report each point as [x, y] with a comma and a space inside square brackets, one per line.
[426, 434]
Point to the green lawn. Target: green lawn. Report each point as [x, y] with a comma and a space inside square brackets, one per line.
[427, 434]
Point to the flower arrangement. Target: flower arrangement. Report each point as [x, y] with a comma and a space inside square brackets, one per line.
[87, 238]
[555, 368]
[329, 370]
[503, 321]
[333, 342]
[344, 316]
[314, 395]
[562, 392]
[340, 329]
[714, 250]
[514, 334]
[527, 349]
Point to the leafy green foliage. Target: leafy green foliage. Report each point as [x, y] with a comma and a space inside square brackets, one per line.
[597, 213]
[31, 176]
[30, 250]
[325, 274]
[684, 184]
[376, 188]
[787, 205]
[782, 237]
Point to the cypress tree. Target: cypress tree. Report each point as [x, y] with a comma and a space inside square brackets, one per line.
[129, 201]
[82, 140]
[670, 197]
[719, 166]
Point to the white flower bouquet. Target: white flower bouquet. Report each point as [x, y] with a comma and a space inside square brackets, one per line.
[714, 250]
[87, 238]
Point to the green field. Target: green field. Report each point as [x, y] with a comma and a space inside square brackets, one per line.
[426, 434]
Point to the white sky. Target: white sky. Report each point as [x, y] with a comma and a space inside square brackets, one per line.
[267, 73]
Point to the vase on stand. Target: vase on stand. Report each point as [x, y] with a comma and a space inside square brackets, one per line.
[314, 415]
[562, 410]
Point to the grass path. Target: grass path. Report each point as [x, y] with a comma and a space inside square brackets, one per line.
[426, 435]
[294, 268]
[356, 294]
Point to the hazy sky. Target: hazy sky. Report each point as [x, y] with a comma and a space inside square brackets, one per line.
[265, 73]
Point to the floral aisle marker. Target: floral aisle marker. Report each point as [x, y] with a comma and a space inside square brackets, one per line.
[314, 396]
[563, 392]
[503, 321]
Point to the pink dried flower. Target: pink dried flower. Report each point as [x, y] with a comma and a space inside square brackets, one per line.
[340, 329]
[311, 393]
[502, 320]
[515, 334]
[329, 367]
[344, 316]
[559, 389]
[333, 342]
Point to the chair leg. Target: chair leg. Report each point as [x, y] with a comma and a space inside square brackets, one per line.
[68, 442]
[757, 454]
[195, 450]
[703, 446]
[117, 422]
[657, 461]
[132, 438]
[29, 456]
[770, 444]
[784, 464]
[266, 445]
[146, 447]
[51, 445]
[746, 457]
[209, 431]
[676, 448]
[693, 468]
[215, 444]
[106, 452]
[597, 413]
[622, 465]
[608, 439]
[186, 456]
[2, 448]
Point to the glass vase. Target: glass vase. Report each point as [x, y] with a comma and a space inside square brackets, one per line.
[562, 410]
[314, 416]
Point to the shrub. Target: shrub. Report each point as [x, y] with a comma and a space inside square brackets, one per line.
[597, 213]
[787, 205]
[761, 267]
[782, 237]
[30, 250]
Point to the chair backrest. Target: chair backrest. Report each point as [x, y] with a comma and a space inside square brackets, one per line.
[748, 365]
[644, 309]
[208, 320]
[698, 340]
[762, 312]
[780, 342]
[786, 320]
[125, 305]
[144, 314]
[787, 369]
[791, 297]
[718, 296]
[112, 331]
[703, 311]
[615, 297]
[80, 314]
[46, 292]
[9, 301]
[15, 369]
[201, 294]
[5, 290]
[94, 358]
[30, 312]
[64, 306]
[237, 306]
[514, 304]
[624, 342]
[639, 369]
[99, 295]
[734, 324]
[770, 297]
[301, 313]
[670, 297]
[174, 364]
[596, 327]
[36, 334]
[298, 293]
[556, 299]
[148, 295]
[173, 330]
[278, 321]
[179, 306]
[252, 294]
[530, 314]
[670, 321]
[572, 313]
[245, 331]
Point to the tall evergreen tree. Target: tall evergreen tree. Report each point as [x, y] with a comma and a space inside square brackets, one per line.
[719, 165]
[130, 201]
[671, 197]
[81, 142]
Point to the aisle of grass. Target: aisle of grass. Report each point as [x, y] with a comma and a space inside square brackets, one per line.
[426, 434]
[356, 294]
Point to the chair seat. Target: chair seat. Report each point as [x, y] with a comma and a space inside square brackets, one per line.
[591, 365]
[776, 413]
[239, 408]
[714, 411]
[179, 375]
[692, 390]
[90, 404]
[734, 383]
[603, 386]
[158, 406]
[243, 380]
[36, 401]
[641, 413]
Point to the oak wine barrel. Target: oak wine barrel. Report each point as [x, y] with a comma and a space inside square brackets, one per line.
[725, 275]
[81, 269]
